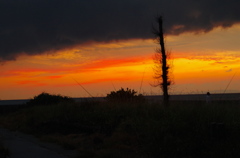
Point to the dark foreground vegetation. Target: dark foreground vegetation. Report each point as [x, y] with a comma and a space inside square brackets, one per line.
[4, 153]
[134, 129]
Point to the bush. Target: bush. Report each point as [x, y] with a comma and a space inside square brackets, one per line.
[48, 99]
[127, 95]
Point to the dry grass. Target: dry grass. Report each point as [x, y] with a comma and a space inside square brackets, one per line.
[185, 129]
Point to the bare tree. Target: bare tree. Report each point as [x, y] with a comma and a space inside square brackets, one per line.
[161, 63]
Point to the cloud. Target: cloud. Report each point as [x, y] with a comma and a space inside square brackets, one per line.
[40, 26]
[229, 70]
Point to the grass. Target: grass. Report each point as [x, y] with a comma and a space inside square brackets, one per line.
[185, 129]
[4, 153]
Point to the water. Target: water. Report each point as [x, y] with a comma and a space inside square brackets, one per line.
[156, 98]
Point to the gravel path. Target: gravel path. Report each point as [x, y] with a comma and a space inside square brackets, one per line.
[26, 146]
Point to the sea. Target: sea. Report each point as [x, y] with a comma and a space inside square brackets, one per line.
[151, 98]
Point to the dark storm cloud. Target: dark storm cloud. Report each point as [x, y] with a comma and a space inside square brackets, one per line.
[37, 26]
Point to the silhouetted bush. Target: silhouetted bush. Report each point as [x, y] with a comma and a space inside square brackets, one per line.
[123, 95]
[48, 99]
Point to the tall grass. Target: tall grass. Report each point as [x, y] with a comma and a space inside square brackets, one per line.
[185, 129]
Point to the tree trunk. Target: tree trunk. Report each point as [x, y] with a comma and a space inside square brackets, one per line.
[165, 67]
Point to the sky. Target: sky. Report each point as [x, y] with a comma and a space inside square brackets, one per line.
[70, 47]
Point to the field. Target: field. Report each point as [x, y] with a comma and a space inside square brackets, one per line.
[187, 128]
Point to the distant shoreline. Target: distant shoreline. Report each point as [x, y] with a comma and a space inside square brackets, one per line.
[152, 98]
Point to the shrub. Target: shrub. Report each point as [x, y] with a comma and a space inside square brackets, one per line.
[123, 95]
[48, 99]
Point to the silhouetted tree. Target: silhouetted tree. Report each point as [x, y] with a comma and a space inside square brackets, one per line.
[49, 99]
[161, 64]
[123, 95]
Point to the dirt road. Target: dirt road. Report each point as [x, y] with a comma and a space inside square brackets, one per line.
[26, 146]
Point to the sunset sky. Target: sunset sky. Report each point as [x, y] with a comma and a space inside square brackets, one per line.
[54, 45]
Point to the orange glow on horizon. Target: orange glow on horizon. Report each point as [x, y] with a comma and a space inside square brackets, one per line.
[125, 64]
